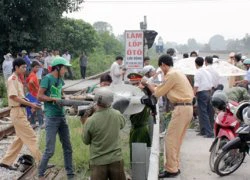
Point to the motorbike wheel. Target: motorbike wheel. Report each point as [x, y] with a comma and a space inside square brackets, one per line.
[229, 161]
[214, 154]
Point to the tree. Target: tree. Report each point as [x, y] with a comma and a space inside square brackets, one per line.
[217, 43]
[110, 44]
[246, 42]
[101, 27]
[192, 44]
[24, 23]
[74, 35]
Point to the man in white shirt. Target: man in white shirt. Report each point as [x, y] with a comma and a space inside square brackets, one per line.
[215, 75]
[202, 90]
[116, 71]
[67, 56]
[7, 66]
[47, 62]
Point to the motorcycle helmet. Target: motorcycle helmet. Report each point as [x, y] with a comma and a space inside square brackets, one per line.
[239, 110]
[60, 61]
[246, 61]
[147, 69]
[24, 162]
[104, 97]
[219, 100]
[246, 115]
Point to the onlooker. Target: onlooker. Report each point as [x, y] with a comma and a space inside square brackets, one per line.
[101, 132]
[27, 60]
[179, 92]
[202, 89]
[24, 132]
[116, 71]
[83, 64]
[33, 87]
[105, 80]
[185, 55]
[51, 90]
[171, 52]
[67, 56]
[7, 66]
[231, 79]
[193, 54]
[40, 70]
[47, 62]
[214, 74]
[146, 61]
[245, 82]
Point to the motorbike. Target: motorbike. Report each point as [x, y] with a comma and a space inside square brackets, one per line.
[234, 152]
[225, 127]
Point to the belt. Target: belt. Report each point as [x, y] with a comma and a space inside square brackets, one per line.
[17, 106]
[183, 104]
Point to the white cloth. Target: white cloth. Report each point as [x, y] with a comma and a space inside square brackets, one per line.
[215, 75]
[115, 73]
[203, 80]
[67, 57]
[7, 67]
[160, 74]
[48, 61]
[247, 76]
[39, 73]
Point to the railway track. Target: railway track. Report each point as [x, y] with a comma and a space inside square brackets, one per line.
[6, 127]
[7, 130]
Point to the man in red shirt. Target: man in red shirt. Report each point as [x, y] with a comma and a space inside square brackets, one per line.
[33, 87]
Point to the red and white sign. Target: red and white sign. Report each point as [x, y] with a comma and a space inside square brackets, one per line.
[134, 49]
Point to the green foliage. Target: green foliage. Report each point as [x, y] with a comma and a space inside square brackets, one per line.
[71, 34]
[80, 150]
[3, 93]
[110, 44]
[102, 57]
[25, 23]
[97, 63]
[101, 27]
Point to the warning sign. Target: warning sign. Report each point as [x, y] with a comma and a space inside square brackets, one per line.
[134, 49]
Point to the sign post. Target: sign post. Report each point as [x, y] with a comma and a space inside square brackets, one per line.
[134, 49]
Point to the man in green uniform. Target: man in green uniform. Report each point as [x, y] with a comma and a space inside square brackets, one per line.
[238, 94]
[101, 132]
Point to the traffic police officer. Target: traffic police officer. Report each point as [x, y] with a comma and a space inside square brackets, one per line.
[24, 132]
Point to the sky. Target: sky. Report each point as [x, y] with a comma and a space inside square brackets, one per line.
[174, 20]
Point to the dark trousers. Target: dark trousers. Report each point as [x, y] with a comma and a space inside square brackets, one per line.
[83, 71]
[205, 112]
[113, 171]
[54, 126]
[69, 73]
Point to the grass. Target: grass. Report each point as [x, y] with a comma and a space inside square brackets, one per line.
[80, 150]
[3, 93]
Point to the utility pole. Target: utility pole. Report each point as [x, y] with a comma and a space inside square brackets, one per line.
[143, 26]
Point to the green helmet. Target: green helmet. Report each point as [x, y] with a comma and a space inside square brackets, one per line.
[246, 61]
[60, 61]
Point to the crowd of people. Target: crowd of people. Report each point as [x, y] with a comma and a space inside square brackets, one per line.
[43, 75]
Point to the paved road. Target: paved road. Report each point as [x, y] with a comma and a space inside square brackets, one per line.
[195, 158]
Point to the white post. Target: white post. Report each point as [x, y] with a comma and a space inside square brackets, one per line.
[155, 150]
